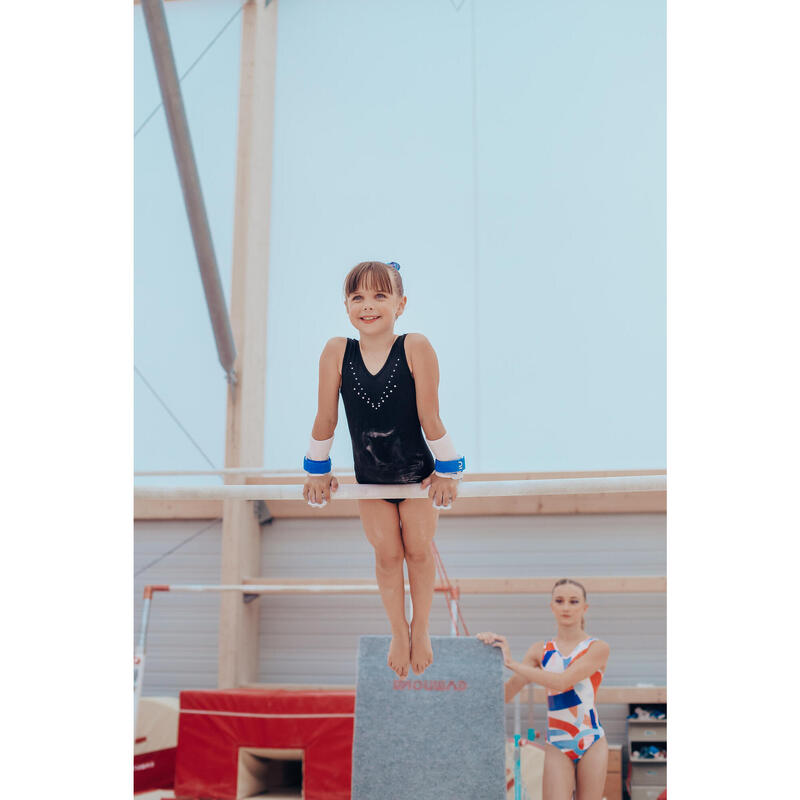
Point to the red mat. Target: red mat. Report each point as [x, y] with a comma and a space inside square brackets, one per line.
[214, 724]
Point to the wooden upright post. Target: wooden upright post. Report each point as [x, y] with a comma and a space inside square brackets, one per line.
[241, 537]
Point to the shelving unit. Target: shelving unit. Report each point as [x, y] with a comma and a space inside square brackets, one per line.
[647, 777]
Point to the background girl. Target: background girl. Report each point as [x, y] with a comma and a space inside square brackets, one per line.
[389, 387]
[571, 667]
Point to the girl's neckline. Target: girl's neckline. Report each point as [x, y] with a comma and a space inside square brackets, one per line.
[385, 363]
[558, 650]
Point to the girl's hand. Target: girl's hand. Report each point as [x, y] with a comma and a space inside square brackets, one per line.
[441, 490]
[317, 489]
[496, 640]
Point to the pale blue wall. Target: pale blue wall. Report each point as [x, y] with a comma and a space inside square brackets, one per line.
[522, 190]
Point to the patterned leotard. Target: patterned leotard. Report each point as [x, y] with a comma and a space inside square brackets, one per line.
[572, 722]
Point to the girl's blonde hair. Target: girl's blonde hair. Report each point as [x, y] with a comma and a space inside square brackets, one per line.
[572, 582]
[373, 275]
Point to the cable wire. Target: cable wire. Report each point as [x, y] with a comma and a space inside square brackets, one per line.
[174, 418]
[191, 67]
[177, 547]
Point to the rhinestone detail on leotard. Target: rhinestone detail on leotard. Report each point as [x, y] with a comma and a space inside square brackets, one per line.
[384, 395]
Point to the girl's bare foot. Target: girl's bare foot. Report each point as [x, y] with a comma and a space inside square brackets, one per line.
[399, 654]
[421, 650]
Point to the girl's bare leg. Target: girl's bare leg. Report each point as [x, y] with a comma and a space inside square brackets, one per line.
[418, 518]
[382, 526]
[592, 771]
[558, 780]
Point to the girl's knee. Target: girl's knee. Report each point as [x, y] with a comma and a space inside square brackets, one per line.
[388, 560]
[418, 555]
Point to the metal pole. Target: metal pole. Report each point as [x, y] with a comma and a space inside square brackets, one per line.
[138, 659]
[156, 22]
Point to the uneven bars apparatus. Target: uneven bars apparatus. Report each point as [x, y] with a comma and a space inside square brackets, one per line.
[351, 491]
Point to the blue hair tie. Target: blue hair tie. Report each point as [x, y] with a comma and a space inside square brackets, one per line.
[394, 264]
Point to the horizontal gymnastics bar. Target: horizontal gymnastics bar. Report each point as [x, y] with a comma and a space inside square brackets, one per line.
[366, 491]
[355, 587]
[629, 584]
[648, 584]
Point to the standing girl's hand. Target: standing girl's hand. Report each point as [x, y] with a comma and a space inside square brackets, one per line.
[441, 490]
[496, 640]
[317, 489]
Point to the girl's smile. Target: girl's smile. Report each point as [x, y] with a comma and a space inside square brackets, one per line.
[373, 309]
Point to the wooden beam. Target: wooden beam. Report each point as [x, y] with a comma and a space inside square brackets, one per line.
[594, 585]
[244, 441]
[176, 509]
[606, 695]
[288, 478]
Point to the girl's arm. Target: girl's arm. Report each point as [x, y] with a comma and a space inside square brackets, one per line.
[532, 658]
[593, 659]
[330, 381]
[317, 488]
[425, 368]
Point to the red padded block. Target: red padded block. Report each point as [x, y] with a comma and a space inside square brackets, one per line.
[214, 724]
[154, 770]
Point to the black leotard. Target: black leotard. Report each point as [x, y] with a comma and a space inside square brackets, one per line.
[388, 445]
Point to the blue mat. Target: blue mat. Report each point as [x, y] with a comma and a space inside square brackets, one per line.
[438, 736]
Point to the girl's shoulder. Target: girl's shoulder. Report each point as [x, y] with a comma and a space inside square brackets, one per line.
[598, 644]
[335, 346]
[419, 353]
[416, 344]
[417, 340]
[333, 353]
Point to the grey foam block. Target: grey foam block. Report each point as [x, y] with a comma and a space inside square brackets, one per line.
[438, 736]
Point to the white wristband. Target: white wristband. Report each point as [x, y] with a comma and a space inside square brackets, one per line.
[443, 448]
[319, 450]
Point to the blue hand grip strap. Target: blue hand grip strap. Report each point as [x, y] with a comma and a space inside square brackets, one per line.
[456, 465]
[317, 467]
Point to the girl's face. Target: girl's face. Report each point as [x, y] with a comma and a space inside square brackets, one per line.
[567, 604]
[372, 311]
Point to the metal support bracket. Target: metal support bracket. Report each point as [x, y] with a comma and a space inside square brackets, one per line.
[262, 512]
